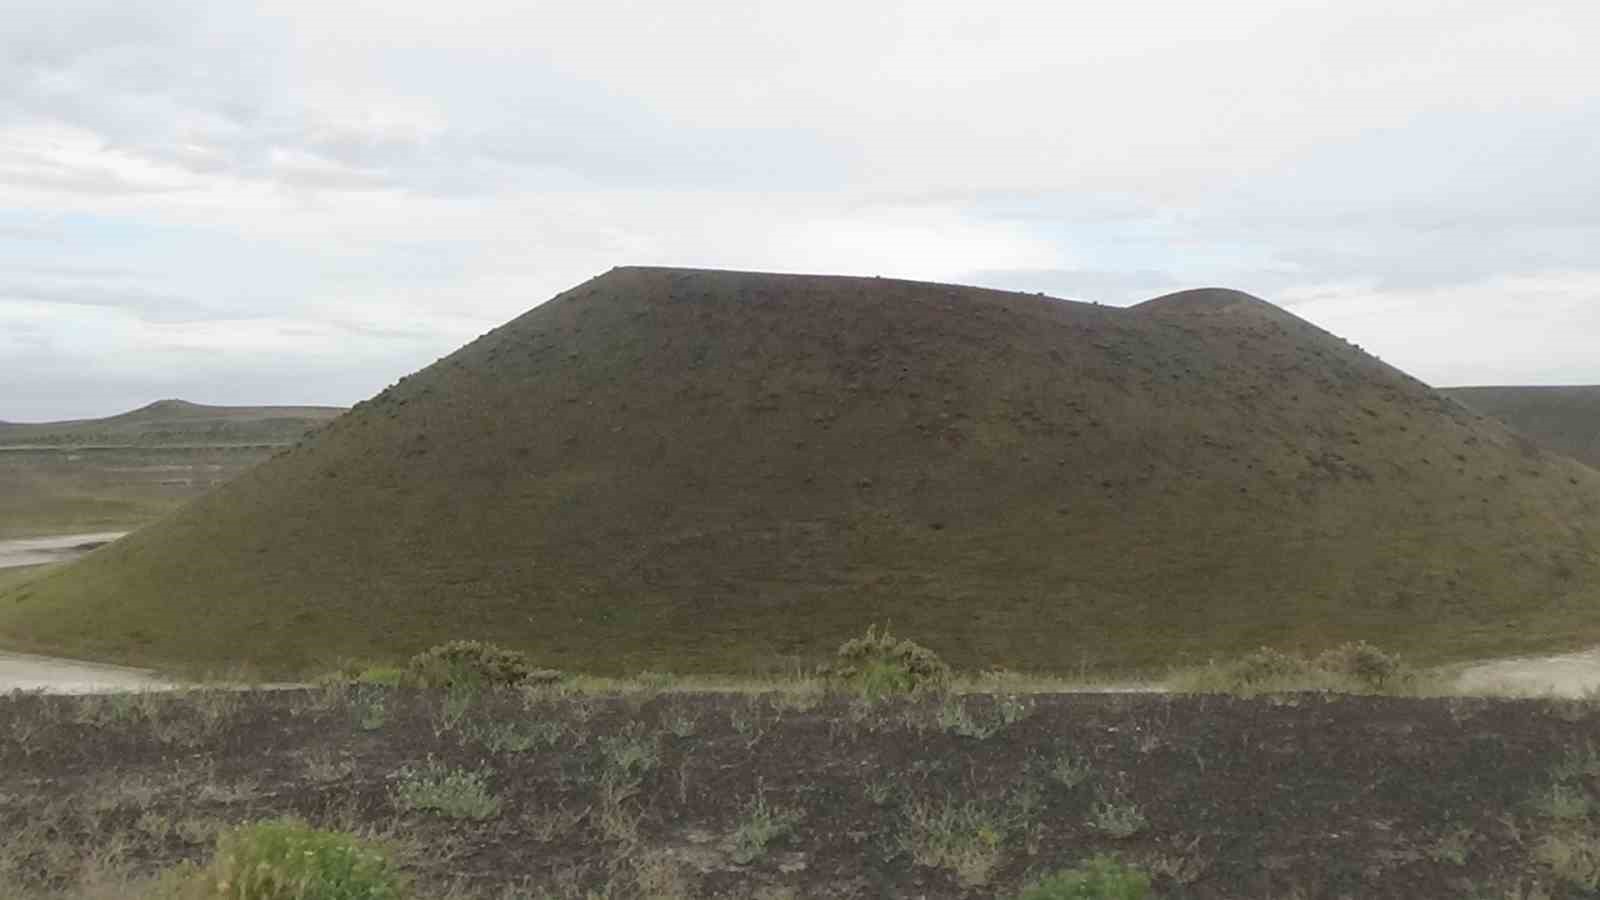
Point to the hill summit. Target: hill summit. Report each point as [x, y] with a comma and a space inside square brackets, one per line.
[701, 470]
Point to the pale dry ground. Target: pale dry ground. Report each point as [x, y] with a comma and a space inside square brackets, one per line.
[1564, 675]
[39, 551]
[27, 672]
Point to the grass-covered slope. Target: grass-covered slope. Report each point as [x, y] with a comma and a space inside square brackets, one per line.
[1565, 419]
[695, 470]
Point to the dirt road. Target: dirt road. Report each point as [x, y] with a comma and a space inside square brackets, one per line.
[26, 672]
[1565, 675]
[56, 548]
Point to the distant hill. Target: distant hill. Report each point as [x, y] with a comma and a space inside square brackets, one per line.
[176, 421]
[696, 470]
[123, 471]
[1565, 419]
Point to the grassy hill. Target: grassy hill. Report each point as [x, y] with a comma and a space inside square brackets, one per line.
[175, 422]
[1565, 419]
[126, 470]
[693, 470]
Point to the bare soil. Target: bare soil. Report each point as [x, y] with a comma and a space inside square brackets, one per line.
[1303, 795]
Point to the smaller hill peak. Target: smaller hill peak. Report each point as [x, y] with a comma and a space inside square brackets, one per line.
[1204, 300]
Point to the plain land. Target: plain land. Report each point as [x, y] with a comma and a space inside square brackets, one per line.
[643, 789]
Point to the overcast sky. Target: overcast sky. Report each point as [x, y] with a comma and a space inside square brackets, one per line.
[299, 202]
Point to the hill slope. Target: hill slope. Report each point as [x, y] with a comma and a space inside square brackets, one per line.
[682, 469]
[1565, 419]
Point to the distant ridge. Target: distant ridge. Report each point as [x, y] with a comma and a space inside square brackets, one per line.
[174, 420]
[1564, 419]
[697, 470]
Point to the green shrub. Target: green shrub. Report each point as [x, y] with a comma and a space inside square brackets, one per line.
[877, 664]
[468, 664]
[1268, 665]
[287, 860]
[1356, 666]
[1363, 662]
[1101, 878]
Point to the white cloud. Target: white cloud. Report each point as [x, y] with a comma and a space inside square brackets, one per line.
[385, 179]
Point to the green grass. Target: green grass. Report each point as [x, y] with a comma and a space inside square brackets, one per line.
[1101, 878]
[453, 793]
[288, 860]
[719, 472]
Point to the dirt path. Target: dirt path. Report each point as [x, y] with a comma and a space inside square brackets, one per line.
[26, 672]
[56, 548]
[1566, 675]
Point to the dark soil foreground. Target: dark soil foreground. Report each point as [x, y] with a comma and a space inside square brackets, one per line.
[655, 793]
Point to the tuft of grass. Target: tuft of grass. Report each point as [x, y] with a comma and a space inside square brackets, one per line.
[1069, 770]
[385, 676]
[1573, 856]
[681, 721]
[1562, 802]
[1453, 847]
[1117, 817]
[369, 707]
[1101, 878]
[1576, 764]
[631, 753]
[759, 826]
[454, 793]
[966, 838]
[285, 859]
[508, 737]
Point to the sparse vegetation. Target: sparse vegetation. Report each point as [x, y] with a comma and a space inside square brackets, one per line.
[965, 837]
[759, 826]
[1069, 770]
[1101, 878]
[288, 860]
[469, 665]
[455, 793]
[877, 665]
[606, 802]
[1118, 817]
[1355, 667]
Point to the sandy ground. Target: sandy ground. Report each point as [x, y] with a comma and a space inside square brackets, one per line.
[38, 551]
[1567, 675]
[26, 672]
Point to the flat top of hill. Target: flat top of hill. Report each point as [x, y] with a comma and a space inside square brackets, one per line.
[1565, 419]
[174, 421]
[694, 470]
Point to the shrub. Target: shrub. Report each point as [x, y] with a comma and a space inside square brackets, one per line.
[1267, 665]
[1363, 662]
[287, 860]
[1355, 666]
[1101, 878]
[877, 664]
[469, 664]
